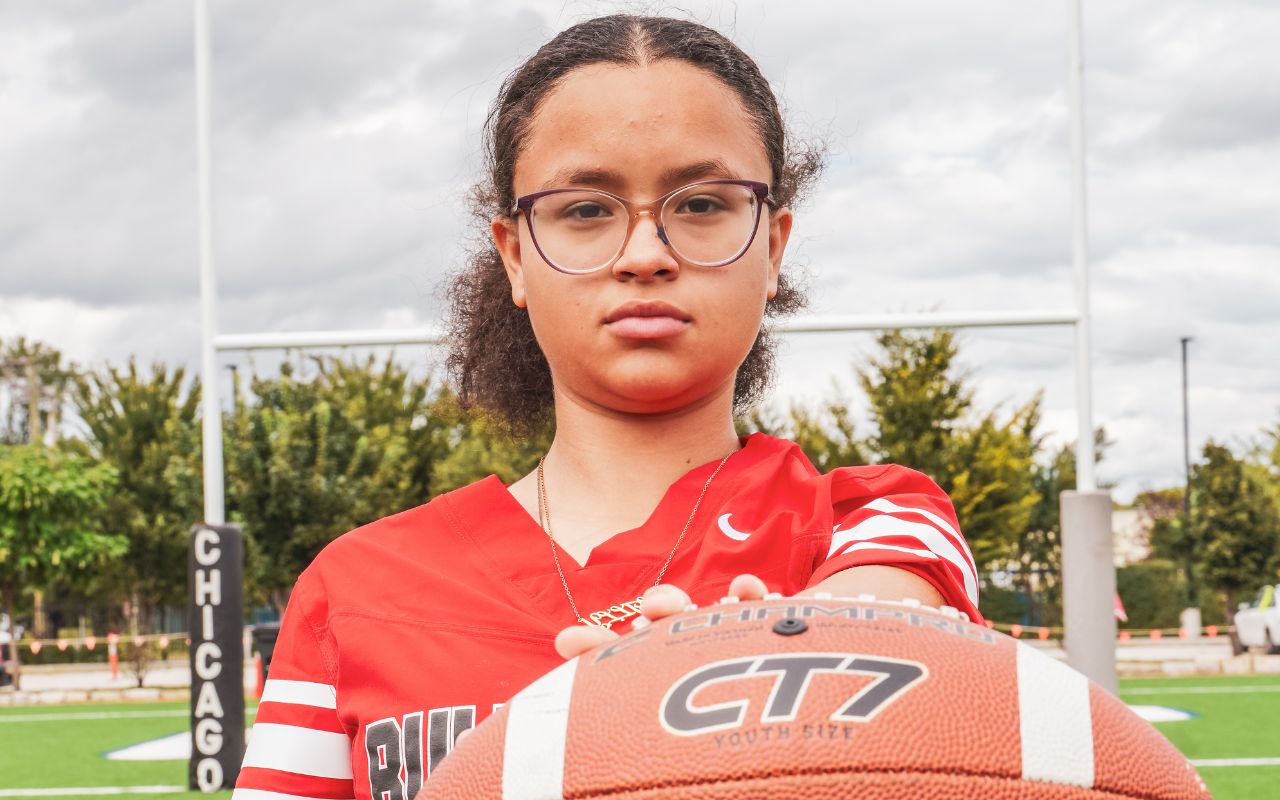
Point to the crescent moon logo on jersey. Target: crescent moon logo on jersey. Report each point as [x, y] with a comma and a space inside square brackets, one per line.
[730, 531]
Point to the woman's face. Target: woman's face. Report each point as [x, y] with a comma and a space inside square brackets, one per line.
[635, 132]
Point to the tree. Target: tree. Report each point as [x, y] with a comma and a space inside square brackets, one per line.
[923, 412]
[1235, 525]
[827, 436]
[145, 427]
[311, 459]
[479, 446]
[992, 463]
[33, 385]
[1265, 460]
[917, 402]
[49, 502]
[1153, 593]
[1171, 537]
[991, 481]
[1038, 551]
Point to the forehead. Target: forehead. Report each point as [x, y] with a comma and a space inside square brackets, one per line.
[638, 123]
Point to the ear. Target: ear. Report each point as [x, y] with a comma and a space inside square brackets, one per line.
[506, 237]
[779, 233]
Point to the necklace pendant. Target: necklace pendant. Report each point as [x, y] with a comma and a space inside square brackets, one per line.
[621, 612]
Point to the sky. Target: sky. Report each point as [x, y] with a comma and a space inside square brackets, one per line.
[345, 136]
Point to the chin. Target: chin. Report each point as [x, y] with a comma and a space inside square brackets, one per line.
[657, 394]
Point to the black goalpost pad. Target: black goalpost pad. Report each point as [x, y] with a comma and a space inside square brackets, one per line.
[216, 622]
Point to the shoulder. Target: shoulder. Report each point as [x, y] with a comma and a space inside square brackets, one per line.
[425, 534]
[780, 463]
[881, 479]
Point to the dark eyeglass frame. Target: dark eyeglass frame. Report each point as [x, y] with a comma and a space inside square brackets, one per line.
[654, 208]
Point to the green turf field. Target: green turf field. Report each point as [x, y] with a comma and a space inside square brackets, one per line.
[44, 747]
[1239, 720]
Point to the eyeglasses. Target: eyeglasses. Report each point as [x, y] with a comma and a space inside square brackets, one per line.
[706, 224]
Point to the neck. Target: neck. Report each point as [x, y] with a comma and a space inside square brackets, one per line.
[606, 452]
[605, 471]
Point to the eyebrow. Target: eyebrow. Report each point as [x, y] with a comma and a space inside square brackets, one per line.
[706, 168]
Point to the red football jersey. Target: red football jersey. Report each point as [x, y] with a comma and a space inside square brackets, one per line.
[410, 630]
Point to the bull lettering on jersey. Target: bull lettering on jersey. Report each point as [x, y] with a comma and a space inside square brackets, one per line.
[382, 741]
[792, 674]
[411, 737]
[395, 749]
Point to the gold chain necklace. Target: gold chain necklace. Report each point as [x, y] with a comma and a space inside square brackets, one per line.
[605, 618]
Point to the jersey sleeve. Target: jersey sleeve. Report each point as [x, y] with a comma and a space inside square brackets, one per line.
[897, 517]
[298, 747]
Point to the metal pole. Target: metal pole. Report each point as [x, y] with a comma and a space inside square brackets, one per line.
[1088, 572]
[1186, 435]
[1089, 586]
[214, 507]
[1085, 480]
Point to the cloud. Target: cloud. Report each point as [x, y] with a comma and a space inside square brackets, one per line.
[345, 136]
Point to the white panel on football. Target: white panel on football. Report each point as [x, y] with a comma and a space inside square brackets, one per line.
[537, 726]
[1056, 721]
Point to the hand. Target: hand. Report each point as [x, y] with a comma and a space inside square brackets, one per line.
[661, 601]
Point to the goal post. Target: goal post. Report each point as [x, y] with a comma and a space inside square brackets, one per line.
[1086, 533]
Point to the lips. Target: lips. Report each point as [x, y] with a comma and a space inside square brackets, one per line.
[646, 319]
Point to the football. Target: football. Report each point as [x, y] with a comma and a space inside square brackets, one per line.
[814, 699]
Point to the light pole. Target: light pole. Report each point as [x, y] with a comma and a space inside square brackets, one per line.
[1186, 436]
[1191, 614]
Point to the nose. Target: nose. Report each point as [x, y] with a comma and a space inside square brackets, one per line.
[646, 255]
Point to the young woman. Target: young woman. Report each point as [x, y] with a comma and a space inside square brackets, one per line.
[638, 198]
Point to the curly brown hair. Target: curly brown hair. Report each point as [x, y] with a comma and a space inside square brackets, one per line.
[494, 358]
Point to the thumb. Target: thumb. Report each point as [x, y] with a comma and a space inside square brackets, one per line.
[578, 639]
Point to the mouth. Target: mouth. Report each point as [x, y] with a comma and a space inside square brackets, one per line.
[647, 319]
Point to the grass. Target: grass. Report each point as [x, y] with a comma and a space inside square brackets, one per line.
[1239, 717]
[53, 746]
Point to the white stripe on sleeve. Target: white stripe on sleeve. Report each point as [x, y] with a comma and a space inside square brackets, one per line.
[889, 507]
[304, 751]
[883, 525]
[537, 727]
[303, 693]
[263, 794]
[1055, 720]
[896, 548]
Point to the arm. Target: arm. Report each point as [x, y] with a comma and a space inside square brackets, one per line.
[886, 583]
[896, 537]
[298, 746]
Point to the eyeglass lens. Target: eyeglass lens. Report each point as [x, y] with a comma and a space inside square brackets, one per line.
[706, 225]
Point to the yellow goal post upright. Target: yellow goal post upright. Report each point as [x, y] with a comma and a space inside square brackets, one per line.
[1087, 570]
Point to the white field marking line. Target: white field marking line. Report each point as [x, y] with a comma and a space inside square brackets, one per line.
[71, 791]
[1201, 689]
[174, 712]
[1236, 762]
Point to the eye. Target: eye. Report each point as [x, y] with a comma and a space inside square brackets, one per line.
[700, 205]
[585, 211]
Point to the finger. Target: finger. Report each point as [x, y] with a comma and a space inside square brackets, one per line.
[663, 600]
[748, 587]
[577, 640]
